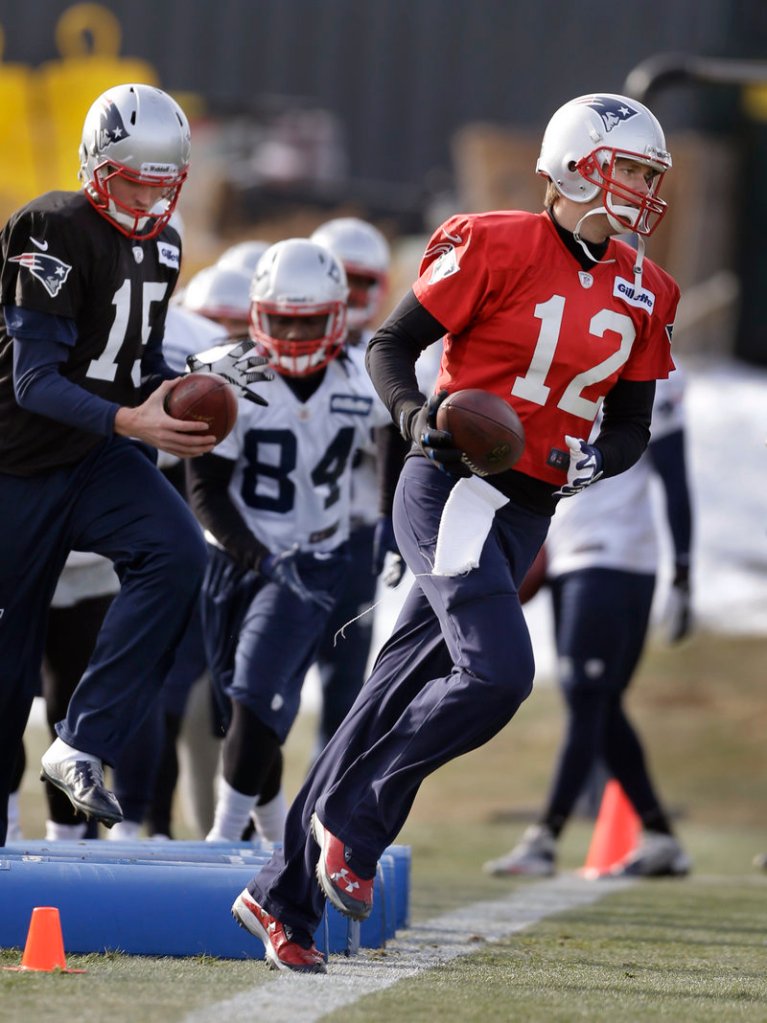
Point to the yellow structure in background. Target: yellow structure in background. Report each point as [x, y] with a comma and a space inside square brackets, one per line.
[19, 146]
[42, 109]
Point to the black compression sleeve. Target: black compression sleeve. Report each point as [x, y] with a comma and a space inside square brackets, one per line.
[625, 431]
[207, 483]
[391, 448]
[392, 353]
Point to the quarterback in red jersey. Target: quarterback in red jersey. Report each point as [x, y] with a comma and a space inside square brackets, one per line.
[560, 318]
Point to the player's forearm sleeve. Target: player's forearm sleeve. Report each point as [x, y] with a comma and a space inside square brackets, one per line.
[625, 431]
[392, 353]
[669, 461]
[391, 450]
[40, 387]
[207, 485]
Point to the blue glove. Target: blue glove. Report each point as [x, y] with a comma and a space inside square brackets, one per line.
[436, 444]
[585, 467]
[283, 569]
[386, 555]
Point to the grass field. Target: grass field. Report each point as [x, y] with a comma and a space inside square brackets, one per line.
[682, 950]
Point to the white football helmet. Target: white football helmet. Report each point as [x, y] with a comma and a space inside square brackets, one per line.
[583, 140]
[140, 134]
[244, 255]
[219, 293]
[298, 277]
[364, 252]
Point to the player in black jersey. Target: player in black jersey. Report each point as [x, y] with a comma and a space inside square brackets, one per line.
[86, 279]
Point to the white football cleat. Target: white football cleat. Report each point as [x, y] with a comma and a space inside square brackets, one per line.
[533, 856]
[657, 855]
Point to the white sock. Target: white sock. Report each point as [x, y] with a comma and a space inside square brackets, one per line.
[269, 818]
[59, 751]
[125, 831]
[64, 832]
[231, 814]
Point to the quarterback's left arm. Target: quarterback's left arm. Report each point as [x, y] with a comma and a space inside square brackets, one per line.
[670, 463]
[625, 430]
[622, 438]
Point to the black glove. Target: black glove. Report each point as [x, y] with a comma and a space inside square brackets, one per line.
[386, 556]
[436, 444]
[235, 365]
[282, 569]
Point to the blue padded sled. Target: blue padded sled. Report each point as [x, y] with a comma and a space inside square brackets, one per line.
[168, 898]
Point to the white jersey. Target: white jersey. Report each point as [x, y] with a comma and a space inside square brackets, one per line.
[293, 473]
[364, 507]
[613, 524]
[187, 333]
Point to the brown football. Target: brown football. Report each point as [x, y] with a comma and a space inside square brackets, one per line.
[204, 398]
[485, 428]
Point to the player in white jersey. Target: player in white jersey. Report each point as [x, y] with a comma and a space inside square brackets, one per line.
[274, 498]
[603, 551]
[342, 659]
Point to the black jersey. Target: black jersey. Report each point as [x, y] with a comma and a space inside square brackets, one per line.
[61, 257]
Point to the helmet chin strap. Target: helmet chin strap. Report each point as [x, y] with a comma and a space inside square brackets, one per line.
[621, 228]
[583, 244]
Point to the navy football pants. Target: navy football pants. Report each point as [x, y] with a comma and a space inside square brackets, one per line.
[114, 502]
[601, 617]
[342, 660]
[455, 670]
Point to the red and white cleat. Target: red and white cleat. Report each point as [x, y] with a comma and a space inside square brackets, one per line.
[350, 894]
[283, 951]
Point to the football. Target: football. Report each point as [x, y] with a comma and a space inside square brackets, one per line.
[204, 398]
[485, 428]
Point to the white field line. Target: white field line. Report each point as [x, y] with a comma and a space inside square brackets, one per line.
[290, 997]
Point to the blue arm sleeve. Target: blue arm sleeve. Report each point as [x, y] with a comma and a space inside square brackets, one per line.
[668, 458]
[41, 343]
[154, 368]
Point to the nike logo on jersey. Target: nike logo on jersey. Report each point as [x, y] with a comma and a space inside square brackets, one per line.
[42, 246]
[642, 298]
[51, 272]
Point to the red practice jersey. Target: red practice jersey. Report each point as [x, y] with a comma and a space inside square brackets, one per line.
[525, 321]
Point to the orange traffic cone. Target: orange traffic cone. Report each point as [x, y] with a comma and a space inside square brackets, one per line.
[44, 950]
[616, 832]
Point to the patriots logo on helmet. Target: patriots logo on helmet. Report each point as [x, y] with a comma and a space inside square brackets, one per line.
[612, 111]
[111, 127]
[51, 272]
